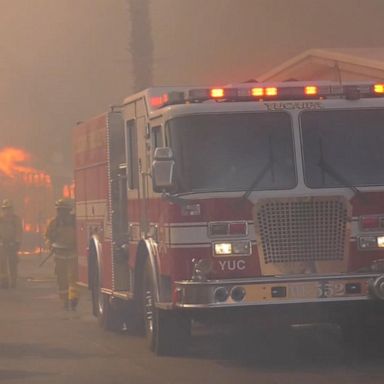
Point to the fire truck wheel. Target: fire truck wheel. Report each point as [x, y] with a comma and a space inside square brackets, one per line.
[167, 332]
[108, 318]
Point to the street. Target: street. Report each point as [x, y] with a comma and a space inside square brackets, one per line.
[41, 343]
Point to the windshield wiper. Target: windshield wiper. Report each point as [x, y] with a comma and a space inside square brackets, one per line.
[337, 176]
[264, 170]
[327, 168]
[257, 180]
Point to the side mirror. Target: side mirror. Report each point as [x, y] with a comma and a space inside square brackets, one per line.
[163, 170]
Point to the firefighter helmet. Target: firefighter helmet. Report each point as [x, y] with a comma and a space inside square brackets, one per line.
[6, 204]
[63, 204]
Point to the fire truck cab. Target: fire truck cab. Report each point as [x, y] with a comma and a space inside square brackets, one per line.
[259, 201]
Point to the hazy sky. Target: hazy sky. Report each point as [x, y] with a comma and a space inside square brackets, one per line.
[66, 60]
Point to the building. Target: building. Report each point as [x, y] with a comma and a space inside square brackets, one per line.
[344, 64]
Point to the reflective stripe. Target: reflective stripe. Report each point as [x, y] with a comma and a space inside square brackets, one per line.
[72, 293]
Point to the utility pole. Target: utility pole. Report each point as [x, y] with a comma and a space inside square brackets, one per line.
[141, 44]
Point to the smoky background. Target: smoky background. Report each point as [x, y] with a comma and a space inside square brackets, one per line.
[62, 61]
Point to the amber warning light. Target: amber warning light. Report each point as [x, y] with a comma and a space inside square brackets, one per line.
[217, 93]
[310, 90]
[259, 92]
[271, 91]
[379, 88]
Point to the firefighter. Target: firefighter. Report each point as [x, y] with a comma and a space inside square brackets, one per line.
[61, 240]
[11, 231]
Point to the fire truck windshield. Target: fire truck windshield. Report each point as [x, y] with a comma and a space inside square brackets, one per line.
[351, 142]
[229, 151]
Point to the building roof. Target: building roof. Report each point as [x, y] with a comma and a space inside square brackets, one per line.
[331, 64]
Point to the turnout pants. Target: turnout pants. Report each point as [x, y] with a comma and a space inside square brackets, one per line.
[8, 266]
[66, 273]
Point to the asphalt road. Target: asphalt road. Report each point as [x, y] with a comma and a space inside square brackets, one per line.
[40, 343]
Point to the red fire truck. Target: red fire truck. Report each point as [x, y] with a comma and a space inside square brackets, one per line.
[258, 202]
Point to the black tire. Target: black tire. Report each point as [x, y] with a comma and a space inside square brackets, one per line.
[108, 317]
[167, 332]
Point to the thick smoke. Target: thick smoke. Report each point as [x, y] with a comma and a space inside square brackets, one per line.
[67, 60]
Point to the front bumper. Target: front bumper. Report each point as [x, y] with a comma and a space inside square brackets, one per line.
[277, 290]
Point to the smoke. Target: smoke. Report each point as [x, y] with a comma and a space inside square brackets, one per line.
[225, 41]
[65, 61]
[60, 62]
[141, 44]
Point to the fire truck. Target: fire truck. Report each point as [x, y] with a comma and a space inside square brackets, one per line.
[252, 202]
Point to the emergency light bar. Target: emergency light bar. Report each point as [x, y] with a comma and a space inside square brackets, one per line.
[258, 93]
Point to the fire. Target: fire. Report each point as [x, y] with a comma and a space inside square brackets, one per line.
[35, 251]
[31, 193]
[12, 165]
[69, 191]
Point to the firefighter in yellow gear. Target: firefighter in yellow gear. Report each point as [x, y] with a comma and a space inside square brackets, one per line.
[61, 240]
[11, 231]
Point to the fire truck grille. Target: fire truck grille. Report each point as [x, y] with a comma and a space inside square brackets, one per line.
[290, 230]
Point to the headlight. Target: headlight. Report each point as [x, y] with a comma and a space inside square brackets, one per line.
[380, 241]
[223, 249]
[235, 248]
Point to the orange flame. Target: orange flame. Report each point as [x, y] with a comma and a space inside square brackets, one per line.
[31, 192]
[12, 165]
[69, 191]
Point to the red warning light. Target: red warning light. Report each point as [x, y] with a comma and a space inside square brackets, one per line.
[369, 222]
[156, 101]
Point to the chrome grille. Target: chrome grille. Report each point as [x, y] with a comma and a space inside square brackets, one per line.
[301, 229]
